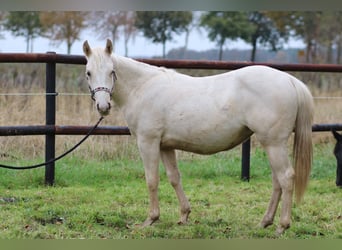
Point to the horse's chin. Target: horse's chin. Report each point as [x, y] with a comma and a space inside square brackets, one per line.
[104, 113]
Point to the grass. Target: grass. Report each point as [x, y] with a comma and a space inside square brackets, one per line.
[105, 199]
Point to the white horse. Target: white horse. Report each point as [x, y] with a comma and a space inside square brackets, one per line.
[167, 110]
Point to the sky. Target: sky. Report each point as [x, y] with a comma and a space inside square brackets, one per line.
[140, 47]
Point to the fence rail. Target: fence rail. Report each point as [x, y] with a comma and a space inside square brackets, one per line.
[102, 130]
[51, 57]
[50, 130]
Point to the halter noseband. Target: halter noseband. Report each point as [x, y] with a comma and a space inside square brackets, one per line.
[105, 89]
[94, 91]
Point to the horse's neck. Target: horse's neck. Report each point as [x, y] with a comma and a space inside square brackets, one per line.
[131, 74]
[133, 71]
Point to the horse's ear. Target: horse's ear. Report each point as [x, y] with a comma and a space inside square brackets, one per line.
[109, 47]
[337, 136]
[86, 48]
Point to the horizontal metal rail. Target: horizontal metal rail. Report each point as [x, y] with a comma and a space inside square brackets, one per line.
[103, 130]
[186, 64]
[62, 130]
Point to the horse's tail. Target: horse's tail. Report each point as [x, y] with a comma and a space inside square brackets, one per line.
[302, 147]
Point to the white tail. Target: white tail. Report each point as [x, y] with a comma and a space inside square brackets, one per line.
[302, 147]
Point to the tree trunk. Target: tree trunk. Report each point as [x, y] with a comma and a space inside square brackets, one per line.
[329, 52]
[126, 39]
[27, 44]
[254, 48]
[31, 45]
[126, 49]
[308, 51]
[253, 53]
[339, 50]
[220, 53]
[221, 50]
[164, 49]
[69, 48]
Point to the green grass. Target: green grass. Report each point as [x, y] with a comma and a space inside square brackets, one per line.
[96, 199]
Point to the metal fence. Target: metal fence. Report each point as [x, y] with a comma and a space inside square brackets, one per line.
[50, 130]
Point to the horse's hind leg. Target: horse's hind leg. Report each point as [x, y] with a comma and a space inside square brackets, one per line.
[283, 178]
[169, 160]
[273, 205]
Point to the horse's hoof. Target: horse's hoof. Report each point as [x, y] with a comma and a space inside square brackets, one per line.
[265, 224]
[281, 229]
[147, 222]
[182, 222]
[184, 218]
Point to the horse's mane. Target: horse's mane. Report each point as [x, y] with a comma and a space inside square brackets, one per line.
[128, 62]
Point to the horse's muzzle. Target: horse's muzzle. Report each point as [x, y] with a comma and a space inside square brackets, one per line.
[103, 109]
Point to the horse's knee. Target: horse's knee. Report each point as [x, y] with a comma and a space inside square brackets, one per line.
[152, 181]
[286, 179]
[152, 187]
[174, 179]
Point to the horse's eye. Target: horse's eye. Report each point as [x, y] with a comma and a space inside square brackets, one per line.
[88, 74]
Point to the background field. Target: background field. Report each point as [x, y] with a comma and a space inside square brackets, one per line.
[100, 189]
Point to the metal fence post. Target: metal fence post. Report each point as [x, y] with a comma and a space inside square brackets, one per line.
[50, 120]
[246, 159]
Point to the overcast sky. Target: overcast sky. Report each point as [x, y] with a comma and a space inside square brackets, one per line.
[140, 47]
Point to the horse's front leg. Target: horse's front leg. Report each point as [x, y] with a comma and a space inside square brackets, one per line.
[150, 154]
[169, 160]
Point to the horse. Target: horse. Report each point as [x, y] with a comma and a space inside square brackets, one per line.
[167, 111]
[338, 155]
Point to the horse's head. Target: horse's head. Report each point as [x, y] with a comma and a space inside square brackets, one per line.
[100, 75]
[338, 154]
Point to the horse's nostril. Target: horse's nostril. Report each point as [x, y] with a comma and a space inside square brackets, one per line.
[109, 105]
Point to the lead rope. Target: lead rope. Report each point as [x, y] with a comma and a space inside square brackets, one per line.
[57, 158]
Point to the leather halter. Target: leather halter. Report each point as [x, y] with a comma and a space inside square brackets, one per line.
[105, 89]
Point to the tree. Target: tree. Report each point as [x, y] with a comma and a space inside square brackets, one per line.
[111, 24]
[264, 32]
[160, 26]
[306, 25]
[2, 21]
[26, 24]
[63, 26]
[330, 35]
[222, 25]
[129, 29]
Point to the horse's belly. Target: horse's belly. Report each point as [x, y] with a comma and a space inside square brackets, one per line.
[208, 143]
